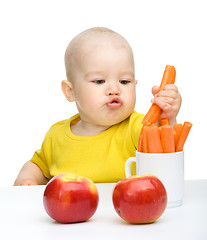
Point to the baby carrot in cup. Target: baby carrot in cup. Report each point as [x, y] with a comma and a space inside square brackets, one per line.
[154, 141]
[177, 127]
[183, 136]
[140, 145]
[167, 139]
[164, 121]
[145, 140]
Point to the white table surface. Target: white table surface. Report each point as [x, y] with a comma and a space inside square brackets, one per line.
[22, 216]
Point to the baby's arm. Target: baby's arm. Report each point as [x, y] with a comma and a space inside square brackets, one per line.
[30, 174]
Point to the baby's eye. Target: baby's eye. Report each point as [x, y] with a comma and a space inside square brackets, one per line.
[124, 82]
[99, 81]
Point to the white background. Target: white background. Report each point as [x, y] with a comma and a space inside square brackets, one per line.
[34, 35]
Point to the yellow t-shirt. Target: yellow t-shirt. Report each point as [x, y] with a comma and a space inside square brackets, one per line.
[100, 157]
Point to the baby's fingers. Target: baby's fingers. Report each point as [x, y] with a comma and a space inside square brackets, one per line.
[172, 87]
[167, 94]
[163, 102]
[155, 90]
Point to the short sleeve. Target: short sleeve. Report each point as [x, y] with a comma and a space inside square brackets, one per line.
[42, 157]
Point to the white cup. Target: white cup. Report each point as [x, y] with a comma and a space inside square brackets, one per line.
[168, 167]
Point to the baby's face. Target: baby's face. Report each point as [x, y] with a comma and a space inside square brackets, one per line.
[103, 81]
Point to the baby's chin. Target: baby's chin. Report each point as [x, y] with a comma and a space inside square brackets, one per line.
[108, 122]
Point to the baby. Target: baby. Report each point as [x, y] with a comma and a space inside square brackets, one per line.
[96, 142]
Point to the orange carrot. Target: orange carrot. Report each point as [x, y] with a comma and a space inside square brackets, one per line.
[139, 149]
[154, 142]
[164, 121]
[183, 136]
[168, 76]
[144, 139]
[174, 134]
[177, 127]
[154, 112]
[167, 139]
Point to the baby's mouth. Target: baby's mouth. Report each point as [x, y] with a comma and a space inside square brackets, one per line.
[114, 103]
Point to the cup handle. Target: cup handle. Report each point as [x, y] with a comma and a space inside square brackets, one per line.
[128, 166]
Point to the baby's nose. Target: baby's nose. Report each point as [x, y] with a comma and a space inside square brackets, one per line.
[113, 89]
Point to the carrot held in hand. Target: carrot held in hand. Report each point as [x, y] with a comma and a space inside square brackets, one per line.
[154, 112]
[168, 76]
[183, 136]
[153, 138]
[167, 139]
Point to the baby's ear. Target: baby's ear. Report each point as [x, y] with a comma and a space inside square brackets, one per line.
[68, 90]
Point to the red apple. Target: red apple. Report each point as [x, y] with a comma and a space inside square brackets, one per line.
[70, 198]
[140, 199]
